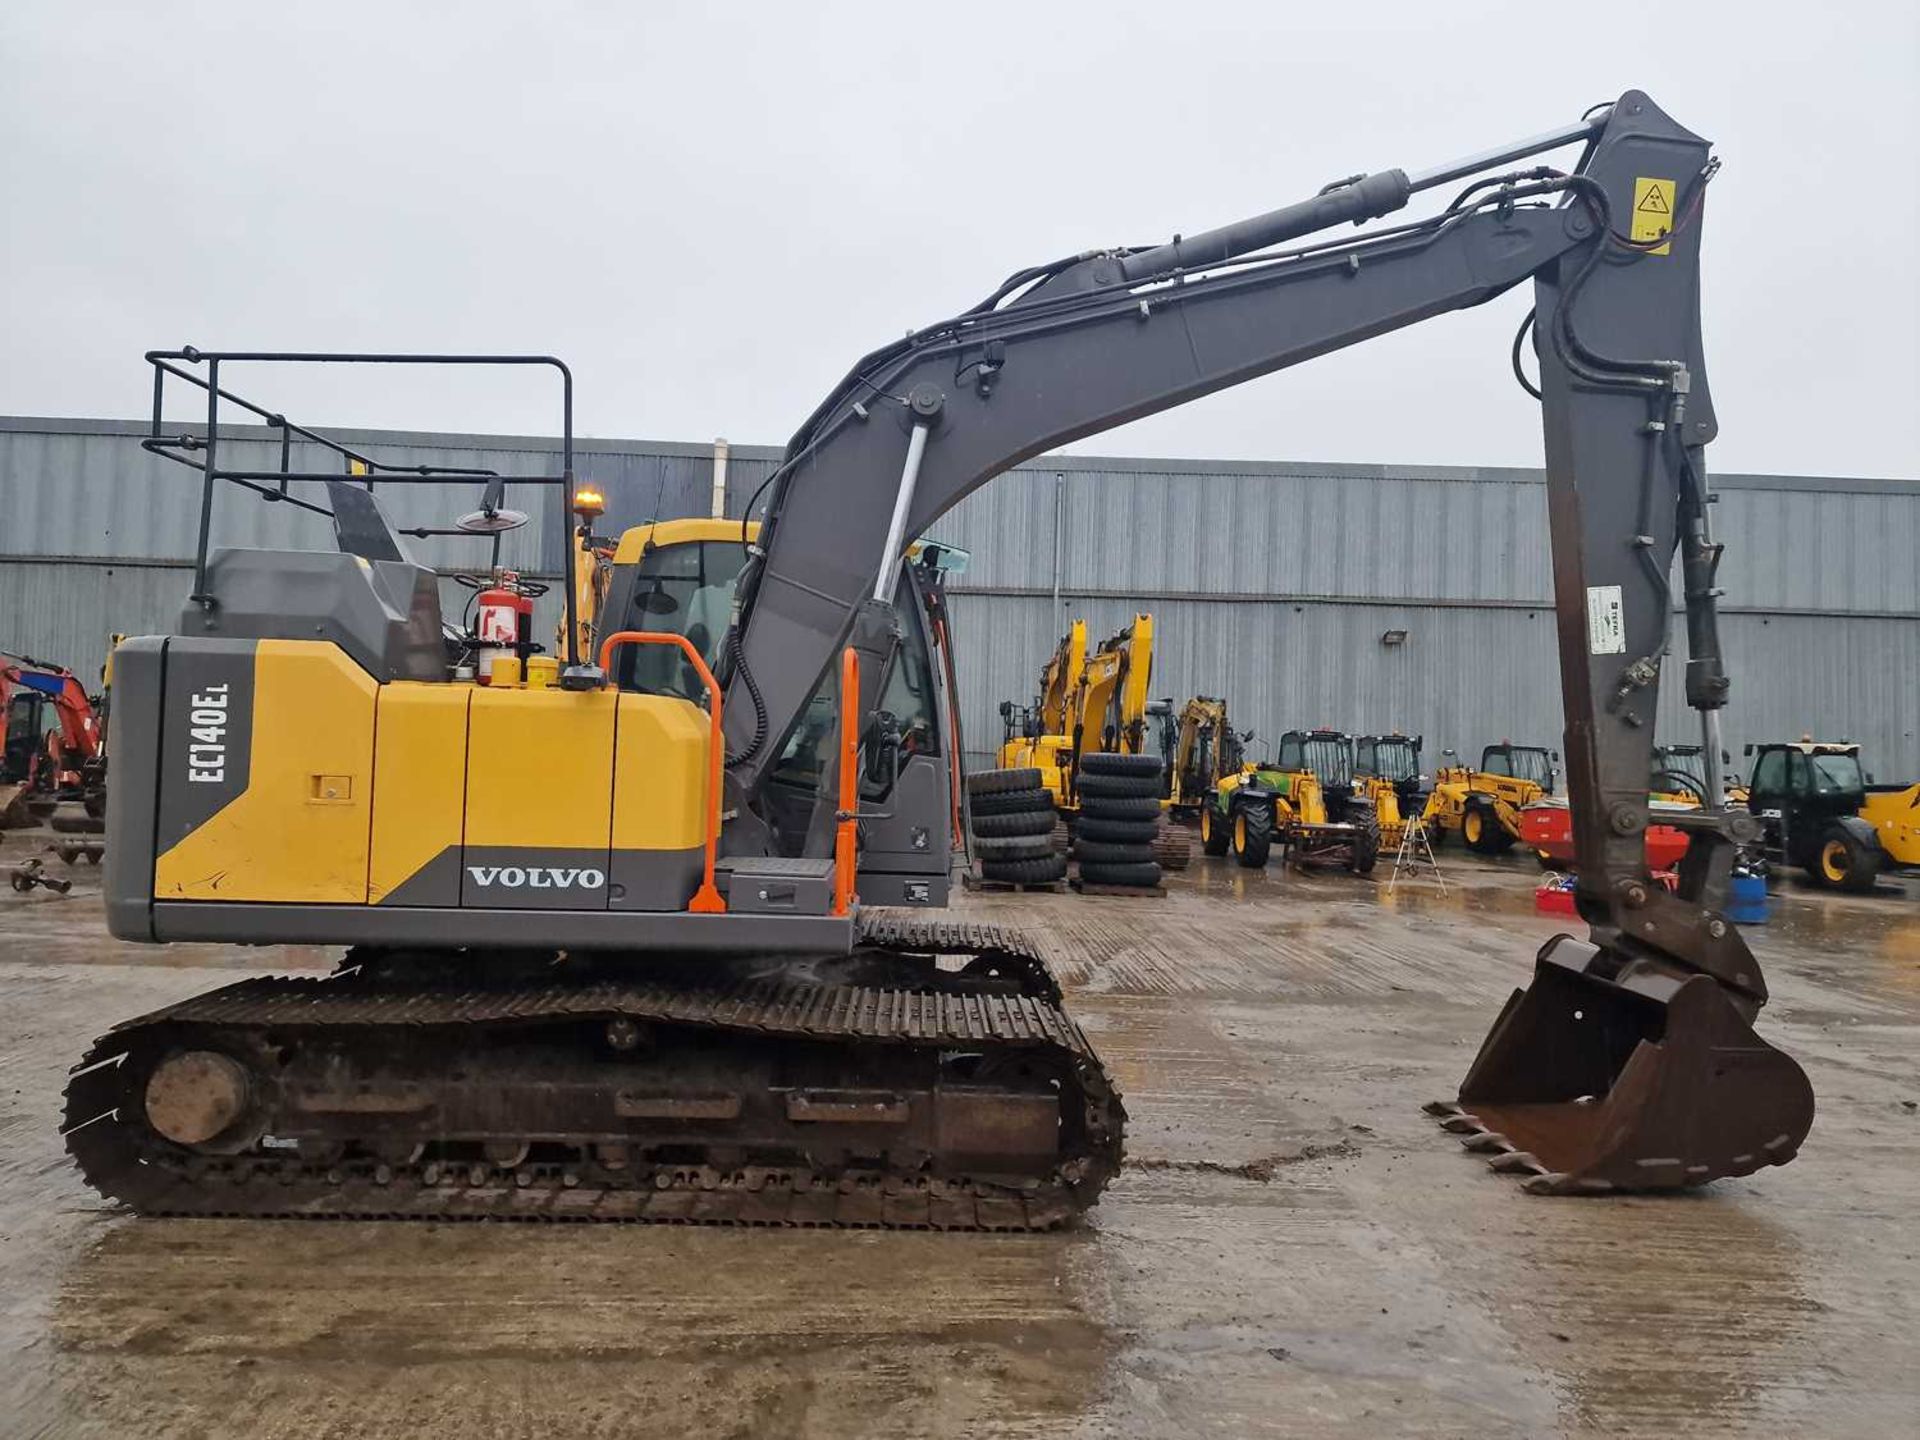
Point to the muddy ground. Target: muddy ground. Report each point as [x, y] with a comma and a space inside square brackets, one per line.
[1293, 1249]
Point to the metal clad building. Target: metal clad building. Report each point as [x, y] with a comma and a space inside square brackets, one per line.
[1274, 584]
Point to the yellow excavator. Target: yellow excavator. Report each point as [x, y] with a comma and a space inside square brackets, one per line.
[635, 936]
[1039, 736]
[1089, 702]
[1482, 806]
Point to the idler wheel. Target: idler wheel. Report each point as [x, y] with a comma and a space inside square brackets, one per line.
[196, 1096]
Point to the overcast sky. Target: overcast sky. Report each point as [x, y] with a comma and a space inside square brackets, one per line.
[710, 210]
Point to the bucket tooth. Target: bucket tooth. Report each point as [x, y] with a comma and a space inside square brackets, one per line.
[1516, 1162]
[1463, 1124]
[1441, 1108]
[1488, 1141]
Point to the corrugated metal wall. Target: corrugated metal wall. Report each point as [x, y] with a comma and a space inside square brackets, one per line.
[1270, 583]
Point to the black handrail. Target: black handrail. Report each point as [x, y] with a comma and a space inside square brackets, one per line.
[272, 485]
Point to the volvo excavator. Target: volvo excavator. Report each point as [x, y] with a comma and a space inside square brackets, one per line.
[607, 964]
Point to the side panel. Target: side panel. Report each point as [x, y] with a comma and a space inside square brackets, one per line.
[134, 791]
[419, 795]
[266, 773]
[659, 803]
[539, 805]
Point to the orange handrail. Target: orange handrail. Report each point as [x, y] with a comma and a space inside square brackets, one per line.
[707, 899]
[846, 831]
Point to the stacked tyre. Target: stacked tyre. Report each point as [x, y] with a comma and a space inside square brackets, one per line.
[1013, 820]
[1119, 820]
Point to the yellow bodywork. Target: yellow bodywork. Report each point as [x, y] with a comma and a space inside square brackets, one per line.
[1088, 702]
[1895, 818]
[1453, 784]
[355, 788]
[1051, 750]
[300, 829]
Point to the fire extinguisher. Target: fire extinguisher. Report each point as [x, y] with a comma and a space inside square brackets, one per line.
[503, 622]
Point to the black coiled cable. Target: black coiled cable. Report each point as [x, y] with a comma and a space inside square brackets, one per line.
[737, 655]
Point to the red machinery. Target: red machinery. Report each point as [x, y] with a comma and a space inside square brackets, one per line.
[1546, 828]
[52, 738]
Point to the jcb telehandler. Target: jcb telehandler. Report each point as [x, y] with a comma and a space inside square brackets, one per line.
[615, 957]
[1483, 806]
[1821, 812]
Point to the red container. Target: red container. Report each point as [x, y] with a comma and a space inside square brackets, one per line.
[1547, 829]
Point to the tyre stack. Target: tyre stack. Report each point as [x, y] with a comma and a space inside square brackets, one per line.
[1013, 820]
[1119, 821]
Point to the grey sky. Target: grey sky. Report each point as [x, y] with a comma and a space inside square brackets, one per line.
[710, 210]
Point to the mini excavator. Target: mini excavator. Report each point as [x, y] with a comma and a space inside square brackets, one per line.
[607, 963]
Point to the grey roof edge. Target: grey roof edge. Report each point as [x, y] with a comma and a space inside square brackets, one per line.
[1064, 464]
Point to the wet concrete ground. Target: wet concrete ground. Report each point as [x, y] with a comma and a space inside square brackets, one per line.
[1292, 1250]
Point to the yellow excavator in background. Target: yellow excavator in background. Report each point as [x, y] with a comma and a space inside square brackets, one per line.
[1108, 709]
[1040, 736]
[1483, 806]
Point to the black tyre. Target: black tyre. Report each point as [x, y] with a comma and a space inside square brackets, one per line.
[1093, 852]
[1118, 787]
[1252, 836]
[1020, 847]
[1845, 862]
[1012, 802]
[1104, 807]
[1020, 822]
[1366, 850]
[994, 782]
[1116, 832]
[1101, 762]
[1482, 832]
[1027, 872]
[1133, 877]
[1215, 833]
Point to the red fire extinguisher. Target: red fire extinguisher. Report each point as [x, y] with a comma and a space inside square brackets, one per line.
[503, 623]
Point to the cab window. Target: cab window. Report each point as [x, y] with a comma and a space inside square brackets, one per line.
[684, 589]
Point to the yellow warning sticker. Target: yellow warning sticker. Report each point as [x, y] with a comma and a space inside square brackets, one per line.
[1652, 210]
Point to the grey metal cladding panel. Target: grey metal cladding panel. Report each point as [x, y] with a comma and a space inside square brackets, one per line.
[64, 613]
[1008, 526]
[1851, 677]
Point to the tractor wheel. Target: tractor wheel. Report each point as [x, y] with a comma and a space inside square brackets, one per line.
[1116, 832]
[1105, 807]
[1043, 871]
[1095, 852]
[1252, 835]
[1482, 831]
[994, 782]
[1013, 802]
[1102, 762]
[1843, 862]
[1093, 786]
[1130, 877]
[1366, 850]
[1215, 832]
[1017, 847]
[1019, 822]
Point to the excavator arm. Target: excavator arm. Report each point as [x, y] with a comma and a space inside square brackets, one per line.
[1066, 350]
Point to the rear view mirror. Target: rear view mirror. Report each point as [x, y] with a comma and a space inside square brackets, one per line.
[1749, 749]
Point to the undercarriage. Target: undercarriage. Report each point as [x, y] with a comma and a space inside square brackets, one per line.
[928, 1080]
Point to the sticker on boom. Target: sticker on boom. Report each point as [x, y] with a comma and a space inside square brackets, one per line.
[1652, 213]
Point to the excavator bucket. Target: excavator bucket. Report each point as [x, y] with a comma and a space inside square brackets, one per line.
[1648, 1081]
[13, 807]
